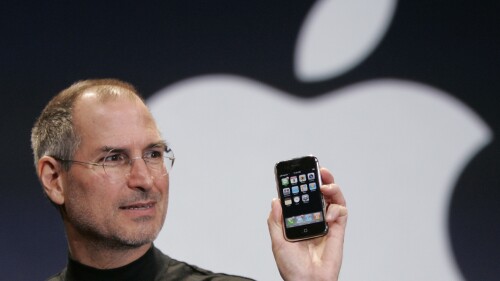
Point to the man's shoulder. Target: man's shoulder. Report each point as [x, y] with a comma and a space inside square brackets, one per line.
[58, 277]
[169, 269]
[178, 270]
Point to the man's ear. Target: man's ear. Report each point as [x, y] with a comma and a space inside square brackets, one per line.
[49, 172]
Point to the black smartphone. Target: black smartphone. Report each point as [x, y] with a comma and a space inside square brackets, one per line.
[298, 182]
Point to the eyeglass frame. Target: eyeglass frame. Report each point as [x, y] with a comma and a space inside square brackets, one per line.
[167, 149]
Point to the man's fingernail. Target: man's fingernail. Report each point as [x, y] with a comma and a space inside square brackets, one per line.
[274, 200]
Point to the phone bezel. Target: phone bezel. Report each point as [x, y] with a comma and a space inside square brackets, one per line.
[308, 231]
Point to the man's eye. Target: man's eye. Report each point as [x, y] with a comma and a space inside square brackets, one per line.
[153, 154]
[113, 158]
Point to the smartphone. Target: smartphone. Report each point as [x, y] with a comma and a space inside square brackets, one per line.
[298, 182]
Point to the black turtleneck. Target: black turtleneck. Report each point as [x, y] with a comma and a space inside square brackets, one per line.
[144, 268]
[153, 265]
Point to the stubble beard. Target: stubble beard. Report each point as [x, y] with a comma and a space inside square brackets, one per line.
[107, 233]
[114, 238]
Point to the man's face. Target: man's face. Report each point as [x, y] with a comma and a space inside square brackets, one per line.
[127, 210]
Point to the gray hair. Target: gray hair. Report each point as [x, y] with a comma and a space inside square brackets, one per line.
[54, 134]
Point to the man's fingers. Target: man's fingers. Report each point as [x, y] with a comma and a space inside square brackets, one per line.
[275, 214]
[334, 212]
[274, 220]
[333, 194]
[326, 176]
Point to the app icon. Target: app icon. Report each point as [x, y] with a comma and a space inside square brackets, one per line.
[286, 191]
[300, 219]
[290, 221]
[317, 216]
[288, 201]
[305, 198]
[312, 186]
[293, 180]
[296, 199]
[295, 189]
[309, 218]
[284, 181]
[310, 176]
[303, 187]
[302, 178]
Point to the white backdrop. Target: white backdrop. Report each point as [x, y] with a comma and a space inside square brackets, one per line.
[396, 148]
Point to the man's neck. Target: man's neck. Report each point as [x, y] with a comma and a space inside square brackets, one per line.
[101, 257]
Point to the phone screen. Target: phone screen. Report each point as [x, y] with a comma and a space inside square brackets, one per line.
[298, 181]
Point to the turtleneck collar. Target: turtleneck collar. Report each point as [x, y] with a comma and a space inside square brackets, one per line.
[144, 268]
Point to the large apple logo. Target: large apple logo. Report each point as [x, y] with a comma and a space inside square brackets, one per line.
[396, 147]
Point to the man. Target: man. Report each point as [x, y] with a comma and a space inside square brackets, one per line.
[103, 163]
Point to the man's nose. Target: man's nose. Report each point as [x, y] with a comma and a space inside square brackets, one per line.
[139, 176]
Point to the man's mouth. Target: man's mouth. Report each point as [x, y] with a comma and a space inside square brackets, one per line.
[138, 206]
